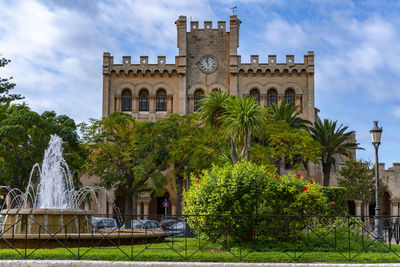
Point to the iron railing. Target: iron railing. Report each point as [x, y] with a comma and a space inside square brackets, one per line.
[242, 238]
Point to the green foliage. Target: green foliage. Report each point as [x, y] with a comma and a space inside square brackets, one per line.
[334, 141]
[236, 118]
[6, 86]
[358, 177]
[248, 189]
[280, 140]
[227, 190]
[338, 197]
[290, 114]
[125, 154]
[24, 136]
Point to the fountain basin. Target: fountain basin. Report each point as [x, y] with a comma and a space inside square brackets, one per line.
[45, 221]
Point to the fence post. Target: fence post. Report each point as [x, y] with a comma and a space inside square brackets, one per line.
[26, 234]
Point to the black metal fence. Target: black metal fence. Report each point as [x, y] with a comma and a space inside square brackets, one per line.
[248, 238]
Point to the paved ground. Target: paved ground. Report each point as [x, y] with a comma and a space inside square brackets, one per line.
[170, 264]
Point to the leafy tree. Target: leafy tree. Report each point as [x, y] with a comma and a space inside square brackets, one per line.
[6, 86]
[237, 118]
[24, 136]
[190, 147]
[358, 177]
[127, 155]
[280, 140]
[334, 141]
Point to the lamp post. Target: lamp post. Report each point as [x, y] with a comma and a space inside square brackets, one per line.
[376, 133]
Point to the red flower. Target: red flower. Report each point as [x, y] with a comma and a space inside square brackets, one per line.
[311, 181]
[197, 181]
[252, 234]
[277, 177]
[305, 188]
[333, 203]
[298, 175]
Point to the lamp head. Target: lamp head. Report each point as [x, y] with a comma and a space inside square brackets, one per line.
[376, 133]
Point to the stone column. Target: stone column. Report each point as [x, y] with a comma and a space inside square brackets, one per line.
[135, 104]
[263, 100]
[280, 98]
[118, 98]
[395, 207]
[358, 204]
[169, 104]
[152, 107]
[190, 104]
[146, 204]
[139, 209]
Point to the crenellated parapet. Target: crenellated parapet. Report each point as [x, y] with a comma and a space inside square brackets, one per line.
[273, 65]
[142, 67]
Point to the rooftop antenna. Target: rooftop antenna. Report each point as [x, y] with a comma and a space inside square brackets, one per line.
[233, 10]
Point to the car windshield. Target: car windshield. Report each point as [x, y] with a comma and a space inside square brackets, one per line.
[135, 224]
[179, 225]
[104, 223]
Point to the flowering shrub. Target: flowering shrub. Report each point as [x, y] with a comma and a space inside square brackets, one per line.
[228, 190]
[248, 189]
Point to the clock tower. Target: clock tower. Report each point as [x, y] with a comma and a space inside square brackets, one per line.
[207, 54]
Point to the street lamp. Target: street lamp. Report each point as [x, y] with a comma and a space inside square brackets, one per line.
[376, 133]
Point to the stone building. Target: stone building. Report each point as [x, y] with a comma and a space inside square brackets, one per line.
[207, 59]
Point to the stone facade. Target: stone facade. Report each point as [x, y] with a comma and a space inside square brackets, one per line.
[183, 80]
[207, 59]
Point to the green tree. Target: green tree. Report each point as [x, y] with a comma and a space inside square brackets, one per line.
[127, 155]
[24, 136]
[237, 118]
[334, 141]
[281, 141]
[6, 86]
[191, 148]
[290, 114]
[358, 177]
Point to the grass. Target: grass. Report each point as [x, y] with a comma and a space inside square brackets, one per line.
[188, 250]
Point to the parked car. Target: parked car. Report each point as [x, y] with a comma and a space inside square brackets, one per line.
[180, 229]
[146, 225]
[168, 221]
[100, 223]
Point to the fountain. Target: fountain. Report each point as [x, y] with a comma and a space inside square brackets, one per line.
[52, 211]
[54, 205]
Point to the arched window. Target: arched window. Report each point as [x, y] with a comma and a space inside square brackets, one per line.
[255, 94]
[126, 99]
[289, 96]
[144, 100]
[272, 97]
[161, 100]
[198, 96]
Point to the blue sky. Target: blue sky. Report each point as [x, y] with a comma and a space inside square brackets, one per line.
[56, 49]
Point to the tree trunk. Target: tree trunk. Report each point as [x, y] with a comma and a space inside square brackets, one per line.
[179, 191]
[278, 166]
[248, 148]
[233, 150]
[127, 216]
[326, 168]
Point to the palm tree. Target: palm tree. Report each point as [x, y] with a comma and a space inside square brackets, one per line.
[334, 141]
[290, 114]
[238, 118]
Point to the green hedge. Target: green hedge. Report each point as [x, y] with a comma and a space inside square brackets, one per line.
[338, 197]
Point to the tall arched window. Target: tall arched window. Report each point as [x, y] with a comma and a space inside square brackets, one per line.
[198, 96]
[144, 100]
[272, 97]
[255, 94]
[161, 100]
[289, 96]
[126, 99]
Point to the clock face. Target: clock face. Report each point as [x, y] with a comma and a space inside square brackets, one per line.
[207, 64]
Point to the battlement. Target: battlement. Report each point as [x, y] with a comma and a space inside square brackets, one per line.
[208, 25]
[273, 65]
[143, 65]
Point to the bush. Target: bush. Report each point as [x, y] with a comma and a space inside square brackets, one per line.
[228, 190]
[245, 189]
[338, 198]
